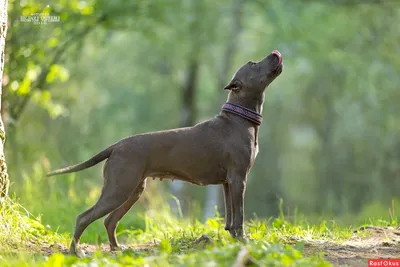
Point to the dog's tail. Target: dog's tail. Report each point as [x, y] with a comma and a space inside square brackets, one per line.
[99, 157]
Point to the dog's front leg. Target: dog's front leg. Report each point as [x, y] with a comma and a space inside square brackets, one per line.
[228, 206]
[237, 188]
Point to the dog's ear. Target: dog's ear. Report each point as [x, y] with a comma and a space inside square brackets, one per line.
[232, 86]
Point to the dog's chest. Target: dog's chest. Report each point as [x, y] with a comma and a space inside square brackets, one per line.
[254, 153]
[254, 148]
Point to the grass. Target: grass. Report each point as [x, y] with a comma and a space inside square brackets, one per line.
[24, 238]
[25, 241]
[156, 238]
[20, 231]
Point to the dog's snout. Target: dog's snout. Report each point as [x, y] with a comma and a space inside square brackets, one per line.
[277, 54]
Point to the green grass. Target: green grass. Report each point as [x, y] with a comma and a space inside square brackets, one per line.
[25, 241]
[20, 231]
[271, 243]
[28, 240]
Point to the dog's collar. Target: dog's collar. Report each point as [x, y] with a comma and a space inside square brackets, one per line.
[243, 112]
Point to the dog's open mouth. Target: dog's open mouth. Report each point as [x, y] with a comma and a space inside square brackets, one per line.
[279, 55]
[278, 68]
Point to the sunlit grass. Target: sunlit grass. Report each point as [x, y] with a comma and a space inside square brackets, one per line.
[19, 230]
[271, 242]
[26, 240]
[23, 237]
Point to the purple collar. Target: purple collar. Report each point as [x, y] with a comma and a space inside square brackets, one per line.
[243, 112]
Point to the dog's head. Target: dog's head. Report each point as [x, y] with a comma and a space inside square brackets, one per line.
[254, 77]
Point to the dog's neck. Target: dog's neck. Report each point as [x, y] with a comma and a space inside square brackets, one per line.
[252, 103]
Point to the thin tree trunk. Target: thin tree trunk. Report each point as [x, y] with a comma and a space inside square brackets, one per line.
[188, 113]
[325, 175]
[188, 118]
[214, 196]
[4, 181]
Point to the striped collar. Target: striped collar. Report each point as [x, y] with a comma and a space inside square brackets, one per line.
[243, 112]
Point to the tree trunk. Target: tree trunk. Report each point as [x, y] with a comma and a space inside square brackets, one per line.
[325, 171]
[4, 182]
[214, 196]
[188, 118]
[188, 113]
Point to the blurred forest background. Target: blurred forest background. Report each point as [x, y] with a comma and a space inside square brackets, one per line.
[329, 143]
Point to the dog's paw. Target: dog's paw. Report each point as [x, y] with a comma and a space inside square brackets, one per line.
[238, 234]
[73, 250]
[78, 253]
[81, 253]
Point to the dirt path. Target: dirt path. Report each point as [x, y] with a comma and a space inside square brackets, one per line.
[366, 243]
[90, 249]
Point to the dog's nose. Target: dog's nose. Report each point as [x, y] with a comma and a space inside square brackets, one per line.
[278, 54]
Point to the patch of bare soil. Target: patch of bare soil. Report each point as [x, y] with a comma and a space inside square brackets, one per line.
[90, 249]
[366, 243]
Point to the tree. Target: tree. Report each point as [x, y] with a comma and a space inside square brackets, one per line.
[188, 112]
[4, 181]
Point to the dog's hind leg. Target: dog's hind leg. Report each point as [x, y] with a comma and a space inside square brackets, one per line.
[112, 220]
[106, 204]
[117, 189]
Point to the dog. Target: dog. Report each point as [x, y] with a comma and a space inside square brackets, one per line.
[221, 150]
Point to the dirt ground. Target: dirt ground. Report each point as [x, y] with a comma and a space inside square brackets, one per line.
[366, 243]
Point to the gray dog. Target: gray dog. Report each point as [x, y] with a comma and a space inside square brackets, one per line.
[221, 150]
